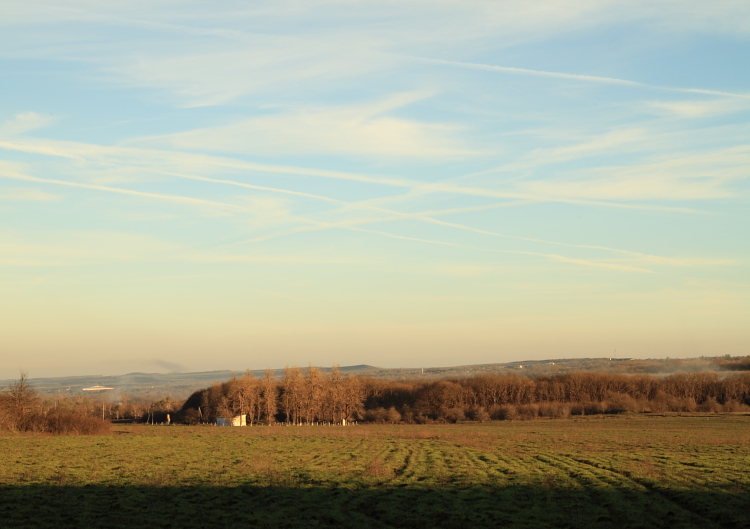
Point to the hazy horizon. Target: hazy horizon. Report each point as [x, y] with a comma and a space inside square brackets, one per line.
[190, 187]
[523, 367]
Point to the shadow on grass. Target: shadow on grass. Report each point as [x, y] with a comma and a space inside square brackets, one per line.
[41, 506]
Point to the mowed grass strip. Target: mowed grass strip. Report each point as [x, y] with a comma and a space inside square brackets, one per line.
[632, 471]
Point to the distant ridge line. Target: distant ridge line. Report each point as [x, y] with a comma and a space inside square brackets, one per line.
[180, 385]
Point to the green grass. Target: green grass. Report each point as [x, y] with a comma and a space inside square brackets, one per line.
[631, 471]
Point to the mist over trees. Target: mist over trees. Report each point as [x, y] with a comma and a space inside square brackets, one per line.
[306, 397]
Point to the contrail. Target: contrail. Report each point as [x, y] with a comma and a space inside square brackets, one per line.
[250, 186]
[575, 77]
[177, 198]
[554, 257]
[423, 187]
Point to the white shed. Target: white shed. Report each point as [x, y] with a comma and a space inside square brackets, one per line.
[239, 420]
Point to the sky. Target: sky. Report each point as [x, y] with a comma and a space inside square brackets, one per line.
[190, 186]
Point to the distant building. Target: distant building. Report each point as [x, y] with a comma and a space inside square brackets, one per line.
[239, 420]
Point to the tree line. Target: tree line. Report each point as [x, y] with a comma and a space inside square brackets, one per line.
[313, 397]
[23, 410]
[486, 397]
[309, 397]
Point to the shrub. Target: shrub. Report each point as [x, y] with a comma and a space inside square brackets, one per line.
[392, 416]
[453, 415]
[66, 423]
[734, 406]
[189, 416]
[594, 408]
[577, 409]
[408, 417]
[554, 410]
[620, 402]
[710, 406]
[381, 415]
[527, 412]
[376, 415]
[504, 413]
[479, 414]
[686, 404]
[421, 418]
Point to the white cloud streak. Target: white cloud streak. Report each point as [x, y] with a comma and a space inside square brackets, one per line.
[429, 217]
[576, 77]
[553, 257]
[24, 122]
[391, 215]
[171, 198]
[364, 130]
[154, 160]
[26, 194]
[197, 56]
[65, 248]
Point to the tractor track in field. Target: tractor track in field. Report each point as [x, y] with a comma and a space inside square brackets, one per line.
[600, 476]
[401, 470]
[541, 474]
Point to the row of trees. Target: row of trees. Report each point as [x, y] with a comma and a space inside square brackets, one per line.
[308, 397]
[733, 363]
[490, 390]
[501, 397]
[311, 396]
[23, 410]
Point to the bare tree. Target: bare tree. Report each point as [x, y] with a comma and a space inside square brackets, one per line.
[354, 397]
[249, 396]
[270, 396]
[334, 392]
[293, 385]
[204, 410]
[19, 403]
[313, 395]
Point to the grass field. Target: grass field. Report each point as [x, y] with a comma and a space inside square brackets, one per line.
[624, 471]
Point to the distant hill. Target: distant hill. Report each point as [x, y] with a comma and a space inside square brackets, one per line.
[181, 385]
[177, 385]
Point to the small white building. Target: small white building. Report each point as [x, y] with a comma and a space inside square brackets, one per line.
[239, 420]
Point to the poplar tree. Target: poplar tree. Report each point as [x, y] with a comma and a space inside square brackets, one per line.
[270, 396]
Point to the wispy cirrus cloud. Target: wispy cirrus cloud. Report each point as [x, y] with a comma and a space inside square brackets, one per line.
[24, 122]
[260, 64]
[266, 213]
[550, 256]
[26, 194]
[564, 165]
[205, 57]
[166, 161]
[60, 248]
[364, 130]
[701, 109]
[689, 176]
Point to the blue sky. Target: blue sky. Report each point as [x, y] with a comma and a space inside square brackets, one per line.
[191, 186]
